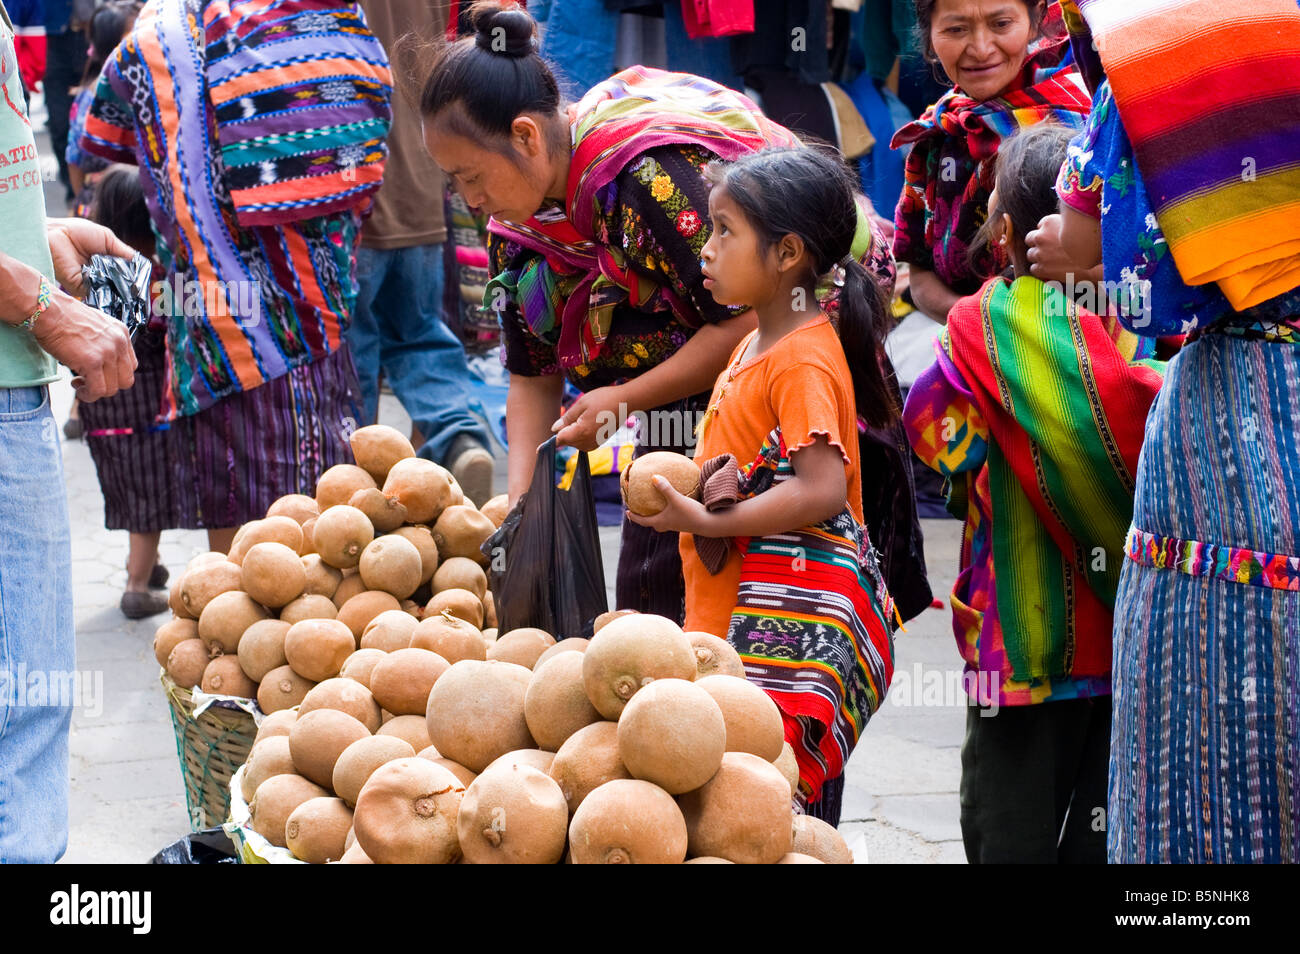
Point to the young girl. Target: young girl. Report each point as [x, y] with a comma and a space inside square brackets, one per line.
[1034, 411]
[788, 572]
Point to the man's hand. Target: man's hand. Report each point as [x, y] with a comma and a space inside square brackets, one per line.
[592, 419]
[96, 347]
[72, 242]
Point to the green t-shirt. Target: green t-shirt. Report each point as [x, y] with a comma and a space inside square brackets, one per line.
[22, 212]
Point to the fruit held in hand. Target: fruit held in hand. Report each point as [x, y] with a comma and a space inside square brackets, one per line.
[642, 497]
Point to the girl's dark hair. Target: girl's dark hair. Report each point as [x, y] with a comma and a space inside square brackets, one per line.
[119, 206]
[812, 194]
[925, 15]
[104, 31]
[476, 86]
[1027, 166]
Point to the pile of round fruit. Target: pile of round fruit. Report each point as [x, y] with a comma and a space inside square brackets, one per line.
[644, 745]
[356, 567]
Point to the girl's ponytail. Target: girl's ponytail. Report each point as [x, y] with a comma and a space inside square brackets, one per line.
[863, 323]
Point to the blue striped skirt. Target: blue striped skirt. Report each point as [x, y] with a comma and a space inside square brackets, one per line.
[1205, 738]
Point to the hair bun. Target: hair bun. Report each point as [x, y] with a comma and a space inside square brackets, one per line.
[506, 32]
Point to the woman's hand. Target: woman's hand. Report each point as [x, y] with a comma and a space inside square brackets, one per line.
[1064, 245]
[681, 515]
[72, 242]
[592, 419]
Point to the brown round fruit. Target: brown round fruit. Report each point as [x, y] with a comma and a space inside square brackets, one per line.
[460, 531]
[556, 704]
[788, 766]
[402, 680]
[266, 758]
[524, 758]
[818, 839]
[587, 760]
[283, 530]
[299, 507]
[496, 509]
[317, 648]
[451, 638]
[360, 759]
[318, 738]
[423, 487]
[169, 634]
[460, 573]
[761, 833]
[361, 664]
[223, 677]
[604, 619]
[273, 574]
[754, 722]
[261, 648]
[390, 631]
[459, 603]
[199, 586]
[361, 610]
[392, 564]
[476, 712]
[523, 647]
[572, 644]
[309, 606]
[341, 534]
[512, 815]
[386, 513]
[412, 728]
[642, 497]
[186, 662]
[281, 688]
[224, 620]
[631, 652]
[377, 447]
[406, 813]
[455, 768]
[672, 733]
[628, 821]
[350, 586]
[490, 611]
[337, 485]
[343, 695]
[321, 578]
[174, 601]
[422, 537]
[715, 657]
[317, 829]
[276, 724]
[276, 800]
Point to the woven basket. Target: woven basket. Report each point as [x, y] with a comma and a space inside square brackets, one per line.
[211, 748]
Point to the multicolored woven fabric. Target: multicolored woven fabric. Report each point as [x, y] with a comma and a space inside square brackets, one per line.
[949, 171]
[1058, 411]
[1236, 564]
[811, 627]
[634, 111]
[1210, 94]
[301, 91]
[244, 305]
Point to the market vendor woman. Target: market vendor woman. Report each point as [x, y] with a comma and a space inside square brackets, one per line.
[599, 215]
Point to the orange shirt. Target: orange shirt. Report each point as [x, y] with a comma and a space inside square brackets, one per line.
[801, 383]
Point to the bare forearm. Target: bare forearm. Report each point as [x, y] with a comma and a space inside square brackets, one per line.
[532, 405]
[19, 286]
[931, 294]
[693, 369]
[789, 505]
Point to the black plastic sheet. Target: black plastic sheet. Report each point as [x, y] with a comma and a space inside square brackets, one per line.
[211, 846]
[119, 287]
[545, 565]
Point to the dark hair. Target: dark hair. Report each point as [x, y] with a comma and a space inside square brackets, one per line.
[119, 206]
[811, 193]
[478, 85]
[925, 14]
[1027, 166]
[104, 31]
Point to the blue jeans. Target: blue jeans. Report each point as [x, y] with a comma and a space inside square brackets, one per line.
[398, 325]
[37, 655]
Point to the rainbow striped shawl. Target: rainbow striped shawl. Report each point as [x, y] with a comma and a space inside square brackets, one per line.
[1210, 97]
[631, 112]
[1066, 411]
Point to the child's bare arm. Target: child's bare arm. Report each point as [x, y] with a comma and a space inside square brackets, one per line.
[817, 492]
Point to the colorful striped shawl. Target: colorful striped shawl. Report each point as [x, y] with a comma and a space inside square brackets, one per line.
[1066, 413]
[631, 112]
[1210, 96]
[301, 90]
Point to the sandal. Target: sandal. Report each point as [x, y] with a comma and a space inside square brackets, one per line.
[142, 605]
[158, 578]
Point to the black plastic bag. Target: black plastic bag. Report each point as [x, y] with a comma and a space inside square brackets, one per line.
[544, 562]
[211, 846]
[119, 287]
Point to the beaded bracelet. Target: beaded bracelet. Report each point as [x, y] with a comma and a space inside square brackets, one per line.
[42, 302]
